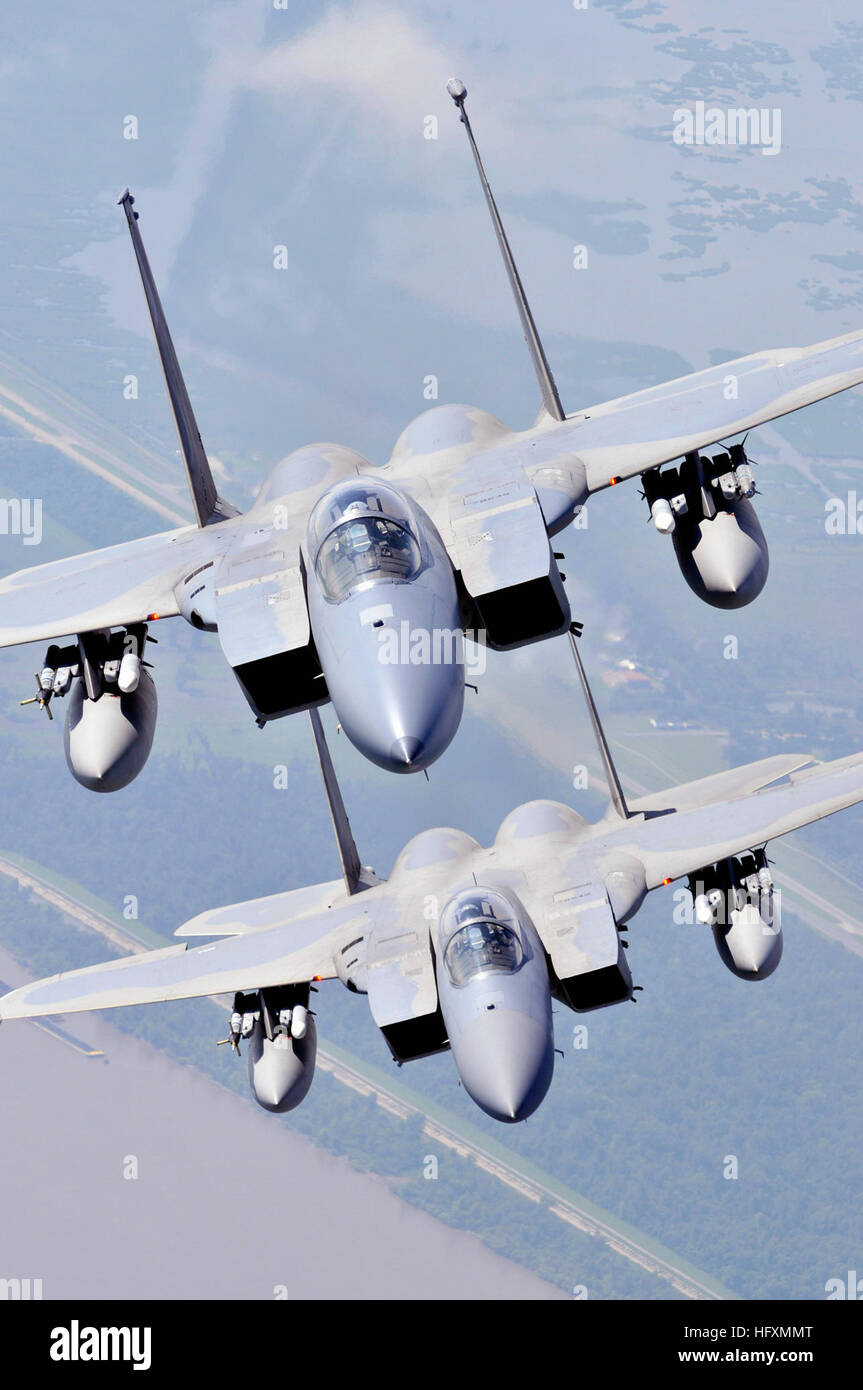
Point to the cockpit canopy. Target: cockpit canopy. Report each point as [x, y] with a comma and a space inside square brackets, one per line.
[362, 532]
[481, 933]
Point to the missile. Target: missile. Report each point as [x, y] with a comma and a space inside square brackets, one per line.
[129, 673]
[663, 516]
[745, 480]
[705, 907]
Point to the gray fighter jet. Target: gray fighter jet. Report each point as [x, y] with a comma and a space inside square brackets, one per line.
[356, 583]
[465, 948]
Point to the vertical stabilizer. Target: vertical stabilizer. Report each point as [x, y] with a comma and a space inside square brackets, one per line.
[550, 397]
[618, 800]
[351, 867]
[209, 507]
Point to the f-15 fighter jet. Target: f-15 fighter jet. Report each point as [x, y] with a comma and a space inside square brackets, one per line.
[464, 948]
[355, 583]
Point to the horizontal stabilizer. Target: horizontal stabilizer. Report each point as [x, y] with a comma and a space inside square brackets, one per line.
[259, 914]
[722, 786]
[706, 831]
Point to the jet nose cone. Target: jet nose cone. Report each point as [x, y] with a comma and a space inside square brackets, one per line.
[507, 1102]
[407, 751]
[394, 662]
[505, 1060]
[414, 720]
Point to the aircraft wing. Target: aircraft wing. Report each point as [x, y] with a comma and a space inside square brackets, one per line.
[588, 451]
[294, 952]
[680, 842]
[570, 457]
[105, 588]
[722, 786]
[621, 438]
[260, 914]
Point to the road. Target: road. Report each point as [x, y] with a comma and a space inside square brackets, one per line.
[81, 436]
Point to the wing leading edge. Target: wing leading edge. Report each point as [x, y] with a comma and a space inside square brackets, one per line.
[733, 782]
[113, 587]
[293, 952]
[621, 438]
[681, 842]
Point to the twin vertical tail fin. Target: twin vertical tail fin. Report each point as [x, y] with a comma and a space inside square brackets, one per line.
[550, 397]
[209, 506]
[348, 854]
[618, 800]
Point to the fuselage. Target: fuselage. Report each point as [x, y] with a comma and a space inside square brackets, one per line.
[337, 584]
[384, 614]
[492, 910]
[495, 998]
